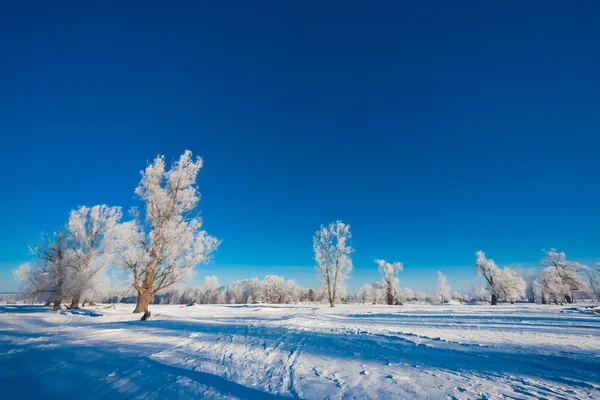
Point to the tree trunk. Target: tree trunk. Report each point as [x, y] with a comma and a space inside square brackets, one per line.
[494, 299]
[56, 306]
[143, 301]
[75, 302]
[569, 298]
[390, 298]
[331, 302]
[48, 303]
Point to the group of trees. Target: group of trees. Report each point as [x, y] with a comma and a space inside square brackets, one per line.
[157, 248]
[162, 242]
[559, 281]
[272, 289]
[69, 262]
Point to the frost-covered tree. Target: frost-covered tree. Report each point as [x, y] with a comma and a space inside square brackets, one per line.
[550, 287]
[88, 227]
[503, 284]
[511, 286]
[50, 277]
[530, 276]
[390, 280]
[593, 280]
[332, 254]
[209, 290]
[420, 296]
[566, 271]
[488, 269]
[377, 293]
[456, 295]
[236, 292]
[272, 289]
[444, 288]
[364, 293]
[405, 295]
[478, 293]
[163, 248]
[251, 289]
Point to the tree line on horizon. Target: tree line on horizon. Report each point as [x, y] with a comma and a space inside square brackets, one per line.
[161, 244]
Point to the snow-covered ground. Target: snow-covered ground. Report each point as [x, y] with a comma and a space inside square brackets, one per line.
[305, 351]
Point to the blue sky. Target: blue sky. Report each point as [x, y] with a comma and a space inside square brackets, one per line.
[433, 129]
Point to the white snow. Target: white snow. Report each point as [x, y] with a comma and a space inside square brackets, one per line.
[304, 351]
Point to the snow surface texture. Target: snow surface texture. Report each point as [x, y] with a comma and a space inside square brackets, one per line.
[309, 352]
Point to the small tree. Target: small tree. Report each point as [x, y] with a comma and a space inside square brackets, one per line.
[478, 293]
[332, 254]
[443, 287]
[364, 292]
[390, 280]
[405, 295]
[163, 249]
[457, 296]
[421, 296]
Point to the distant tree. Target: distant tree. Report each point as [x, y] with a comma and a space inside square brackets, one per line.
[363, 293]
[593, 280]
[311, 295]
[443, 287]
[489, 270]
[530, 277]
[566, 277]
[208, 290]
[236, 292]
[405, 295]
[456, 295]
[377, 292]
[332, 254]
[390, 280]
[478, 293]
[511, 286]
[164, 248]
[421, 296]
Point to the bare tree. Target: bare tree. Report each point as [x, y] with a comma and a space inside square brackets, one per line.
[332, 254]
[163, 249]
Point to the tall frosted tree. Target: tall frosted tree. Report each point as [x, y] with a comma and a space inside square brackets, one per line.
[443, 286]
[164, 246]
[88, 227]
[390, 280]
[489, 270]
[332, 254]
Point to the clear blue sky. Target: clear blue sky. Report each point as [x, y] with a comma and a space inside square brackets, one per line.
[434, 128]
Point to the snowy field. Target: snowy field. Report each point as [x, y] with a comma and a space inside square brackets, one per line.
[309, 352]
